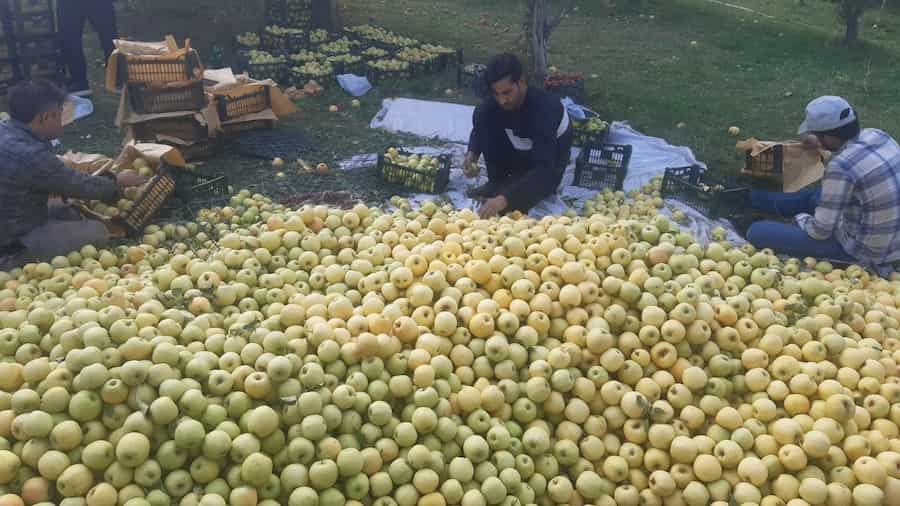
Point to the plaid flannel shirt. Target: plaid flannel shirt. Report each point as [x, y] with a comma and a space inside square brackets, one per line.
[860, 203]
[29, 173]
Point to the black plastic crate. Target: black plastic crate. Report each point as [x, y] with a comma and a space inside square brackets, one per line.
[233, 129]
[472, 76]
[32, 6]
[299, 78]
[415, 179]
[134, 69]
[174, 97]
[199, 185]
[298, 12]
[376, 75]
[573, 89]
[283, 43]
[274, 11]
[28, 25]
[714, 197]
[276, 71]
[9, 71]
[249, 103]
[602, 166]
[42, 68]
[186, 128]
[769, 163]
[40, 46]
[200, 150]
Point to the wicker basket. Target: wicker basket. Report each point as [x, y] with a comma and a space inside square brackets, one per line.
[255, 99]
[152, 199]
[159, 69]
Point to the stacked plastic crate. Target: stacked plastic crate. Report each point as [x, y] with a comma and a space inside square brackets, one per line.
[30, 48]
[165, 100]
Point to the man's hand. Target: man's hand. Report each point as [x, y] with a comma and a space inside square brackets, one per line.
[129, 178]
[802, 219]
[812, 142]
[470, 165]
[493, 207]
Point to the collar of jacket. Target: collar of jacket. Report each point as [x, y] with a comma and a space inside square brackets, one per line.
[18, 125]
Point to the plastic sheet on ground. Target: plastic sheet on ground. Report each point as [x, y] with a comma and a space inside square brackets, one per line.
[453, 122]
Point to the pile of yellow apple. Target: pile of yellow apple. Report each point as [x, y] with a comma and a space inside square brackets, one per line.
[426, 357]
[248, 39]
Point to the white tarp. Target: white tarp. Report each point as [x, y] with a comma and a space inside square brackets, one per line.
[453, 123]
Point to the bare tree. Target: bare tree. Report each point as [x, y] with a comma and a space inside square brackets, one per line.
[851, 12]
[543, 17]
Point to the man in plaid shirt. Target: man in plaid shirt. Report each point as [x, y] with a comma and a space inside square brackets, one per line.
[855, 216]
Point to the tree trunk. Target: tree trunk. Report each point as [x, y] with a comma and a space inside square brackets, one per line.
[325, 15]
[538, 35]
[854, 22]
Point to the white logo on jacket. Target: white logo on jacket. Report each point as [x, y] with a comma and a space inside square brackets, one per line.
[525, 144]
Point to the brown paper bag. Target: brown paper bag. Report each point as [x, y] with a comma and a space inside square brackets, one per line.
[801, 165]
[152, 153]
[86, 163]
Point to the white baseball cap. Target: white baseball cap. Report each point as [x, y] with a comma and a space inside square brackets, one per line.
[827, 113]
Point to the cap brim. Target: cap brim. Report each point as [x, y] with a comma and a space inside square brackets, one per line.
[804, 128]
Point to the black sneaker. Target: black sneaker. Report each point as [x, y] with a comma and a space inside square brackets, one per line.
[486, 191]
[79, 89]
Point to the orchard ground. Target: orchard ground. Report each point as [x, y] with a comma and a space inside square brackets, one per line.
[655, 64]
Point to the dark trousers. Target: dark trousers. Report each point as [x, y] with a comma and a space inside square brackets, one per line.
[507, 165]
[788, 238]
[72, 15]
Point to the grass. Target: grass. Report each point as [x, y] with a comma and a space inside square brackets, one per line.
[755, 71]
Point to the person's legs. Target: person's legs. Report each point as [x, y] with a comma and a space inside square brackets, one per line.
[102, 16]
[71, 15]
[786, 204]
[61, 237]
[791, 240]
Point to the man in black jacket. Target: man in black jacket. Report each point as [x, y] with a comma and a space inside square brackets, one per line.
[525, 136]
[31, 228]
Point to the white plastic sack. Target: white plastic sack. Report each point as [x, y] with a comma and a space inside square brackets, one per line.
[441, 120]
[356, 86]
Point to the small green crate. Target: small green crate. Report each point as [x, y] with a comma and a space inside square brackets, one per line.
[714, 197]
[415, 179]
[602, 166]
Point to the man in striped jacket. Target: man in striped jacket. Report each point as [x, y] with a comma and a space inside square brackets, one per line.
[855, 216]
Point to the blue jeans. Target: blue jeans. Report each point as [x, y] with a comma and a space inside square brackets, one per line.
[787, 238]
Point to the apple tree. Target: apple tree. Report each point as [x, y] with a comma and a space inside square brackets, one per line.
[543, 17]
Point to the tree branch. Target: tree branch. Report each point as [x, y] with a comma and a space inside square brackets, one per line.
[563, 12]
